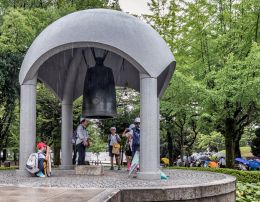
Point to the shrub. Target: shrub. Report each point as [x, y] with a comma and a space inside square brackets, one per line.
[248, 192]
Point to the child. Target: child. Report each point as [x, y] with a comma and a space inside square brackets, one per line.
[42, 157]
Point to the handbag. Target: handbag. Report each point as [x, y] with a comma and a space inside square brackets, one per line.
[116, 149]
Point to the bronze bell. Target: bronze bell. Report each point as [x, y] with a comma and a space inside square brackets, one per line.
[99, 95]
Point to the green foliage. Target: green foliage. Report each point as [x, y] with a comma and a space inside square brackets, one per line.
[215, 49]
[97, 143]
[248, 192]
[20, 22]
[9, 67]
[214, 139]
[127, 109]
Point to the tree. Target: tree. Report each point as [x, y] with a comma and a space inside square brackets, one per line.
[20, 22]
[233, 101]
[180, 111]
[97, 144]
[205, 141]
[255, 146]
[9, 64]
[206, 38]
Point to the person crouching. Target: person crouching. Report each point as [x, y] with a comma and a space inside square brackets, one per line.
[43, 153]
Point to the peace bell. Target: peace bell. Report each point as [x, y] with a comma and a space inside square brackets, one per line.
[99, 95]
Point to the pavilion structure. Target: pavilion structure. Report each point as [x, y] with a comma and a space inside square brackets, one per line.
[138, 56]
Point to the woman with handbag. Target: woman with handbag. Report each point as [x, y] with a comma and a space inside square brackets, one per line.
[114, 147]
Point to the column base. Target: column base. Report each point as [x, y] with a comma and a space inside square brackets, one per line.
[23, 173]
[149, 175]
[67, 167]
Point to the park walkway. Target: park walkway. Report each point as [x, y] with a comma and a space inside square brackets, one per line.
[67, 186]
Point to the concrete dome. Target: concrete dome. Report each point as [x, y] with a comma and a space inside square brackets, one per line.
[134, 47]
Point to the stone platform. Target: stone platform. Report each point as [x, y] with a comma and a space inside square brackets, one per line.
[96, 170]
[183, 185]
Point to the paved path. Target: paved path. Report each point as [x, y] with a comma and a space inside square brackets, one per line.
[66, 186]
[111, 179]
[24, 194]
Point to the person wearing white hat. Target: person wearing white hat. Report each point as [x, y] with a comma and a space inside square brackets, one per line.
[114, 147]
[82, 140]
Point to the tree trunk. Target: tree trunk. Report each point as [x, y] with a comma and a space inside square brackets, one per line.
[15, 159]
[237, 149]
[230, 148]
[230, 142]
[170, 147]
[4, 155]
[56, 156]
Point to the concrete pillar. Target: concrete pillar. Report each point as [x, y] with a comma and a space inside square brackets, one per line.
[66, 131]
[67, 112]
[158, 127]
[149, 129]
[27, 123]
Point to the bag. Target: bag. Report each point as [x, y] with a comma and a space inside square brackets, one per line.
[136, 137]
[116, 149]
[32, 163]
[86, 143]
[74, 137]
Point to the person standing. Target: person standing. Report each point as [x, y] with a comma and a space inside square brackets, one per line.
[82, 141]
[114, 147]
[136, 137]
[128, 133]
[222, 162]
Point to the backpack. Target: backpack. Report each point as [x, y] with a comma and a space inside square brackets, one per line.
[32, 163]
[136, 136]
[74, 137]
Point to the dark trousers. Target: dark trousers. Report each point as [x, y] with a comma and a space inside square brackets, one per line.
[134, 149]
[40, 164]
[82, 152]
[74, 154]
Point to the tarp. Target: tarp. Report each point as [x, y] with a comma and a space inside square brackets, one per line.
[241, 160]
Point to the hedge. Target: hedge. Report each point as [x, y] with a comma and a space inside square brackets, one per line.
[242, 176]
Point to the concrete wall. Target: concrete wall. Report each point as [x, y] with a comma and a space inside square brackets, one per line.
[208, 193]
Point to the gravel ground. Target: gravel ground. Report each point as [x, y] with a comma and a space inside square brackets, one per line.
[111, 179]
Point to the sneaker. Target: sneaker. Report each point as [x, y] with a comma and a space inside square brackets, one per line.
[112, 168]
[40, 174]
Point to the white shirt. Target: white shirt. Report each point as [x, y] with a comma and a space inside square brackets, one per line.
[113, 139]
[222, 161]
[82, 134]
[41, 155]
